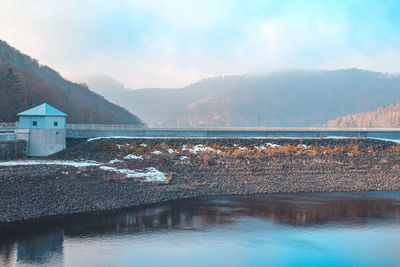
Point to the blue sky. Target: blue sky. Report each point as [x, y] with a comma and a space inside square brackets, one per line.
[173, 43]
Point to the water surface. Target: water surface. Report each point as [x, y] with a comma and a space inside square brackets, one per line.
[337, 229]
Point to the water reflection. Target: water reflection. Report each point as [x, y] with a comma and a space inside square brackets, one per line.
[40, 248]
[42, 241]
[35, 248]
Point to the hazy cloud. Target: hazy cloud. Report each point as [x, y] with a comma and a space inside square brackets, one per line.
[172, 43]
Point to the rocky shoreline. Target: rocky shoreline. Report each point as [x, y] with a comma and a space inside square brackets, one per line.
[132, 172]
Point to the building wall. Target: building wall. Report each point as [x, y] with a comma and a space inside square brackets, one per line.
[26, 122]
[12, 149]
[43, 122]
[44, 142]
[50, 122]
[22, 134]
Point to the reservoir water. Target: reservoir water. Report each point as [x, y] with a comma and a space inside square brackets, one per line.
[315, 229]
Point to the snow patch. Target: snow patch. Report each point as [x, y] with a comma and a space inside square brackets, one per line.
[132, 156]
[244, 138]
[184, 157]
[337, 137]
[50, 162]
[171, 151]
[200, 148]
[115, 161]
[152, 174]
[385, 139]
[272, 145]
[110, 137]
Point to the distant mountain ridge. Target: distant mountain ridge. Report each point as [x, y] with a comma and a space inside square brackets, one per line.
[285, 98]
[154, 105]
[24, 84]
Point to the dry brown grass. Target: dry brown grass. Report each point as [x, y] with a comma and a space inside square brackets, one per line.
[238, 152]
[110, 147]
[169, 178]
[252, 152]
[395, 148]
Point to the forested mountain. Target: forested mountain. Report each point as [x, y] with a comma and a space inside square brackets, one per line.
[24, 84]
[286, 98]
[388, 116]
[158, 105]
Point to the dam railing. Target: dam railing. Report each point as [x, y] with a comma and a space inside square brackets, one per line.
[124, 130]
[8, 126]
[104, 127]
[123, 127]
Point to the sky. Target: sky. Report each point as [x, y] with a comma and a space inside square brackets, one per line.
[172, 43]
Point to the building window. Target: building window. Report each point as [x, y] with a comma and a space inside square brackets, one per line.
[34, 123]
[56, 123]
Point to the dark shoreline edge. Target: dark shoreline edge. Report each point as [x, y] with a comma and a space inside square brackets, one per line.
[218, 186]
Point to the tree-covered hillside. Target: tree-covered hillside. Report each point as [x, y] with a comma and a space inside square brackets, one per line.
[286, 98]
[24, 84]
[388, 116]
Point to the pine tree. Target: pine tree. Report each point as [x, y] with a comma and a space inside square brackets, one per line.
[14, 93]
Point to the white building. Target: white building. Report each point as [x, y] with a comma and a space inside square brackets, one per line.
[45, 126]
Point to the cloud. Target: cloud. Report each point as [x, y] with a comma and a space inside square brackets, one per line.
[173, 43]
[384, 61]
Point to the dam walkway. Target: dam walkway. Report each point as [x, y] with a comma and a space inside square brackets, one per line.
[126, 130]
[108, 130]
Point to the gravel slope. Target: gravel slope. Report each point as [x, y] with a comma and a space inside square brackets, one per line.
[227, 166]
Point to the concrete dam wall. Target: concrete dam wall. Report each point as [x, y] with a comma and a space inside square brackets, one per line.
[237, 133]
[13, 149]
